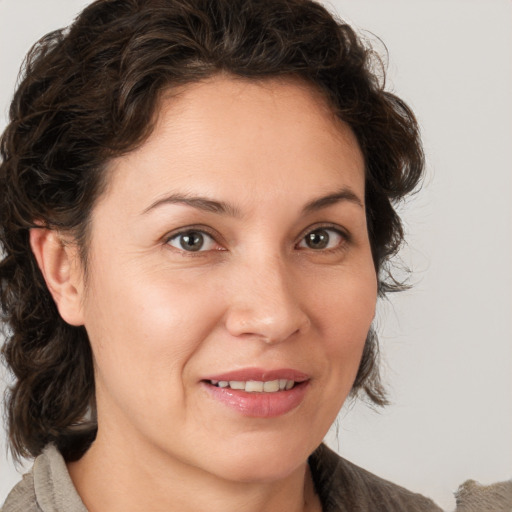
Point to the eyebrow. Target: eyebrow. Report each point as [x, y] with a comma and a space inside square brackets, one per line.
[345, 194]
[201, 203]
[223, 208]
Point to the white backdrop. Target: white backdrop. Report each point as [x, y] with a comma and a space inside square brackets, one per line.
[447, 343]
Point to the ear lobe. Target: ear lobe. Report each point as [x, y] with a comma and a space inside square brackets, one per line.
[58, 264]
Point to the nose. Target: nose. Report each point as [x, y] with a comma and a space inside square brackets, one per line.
[266, 303]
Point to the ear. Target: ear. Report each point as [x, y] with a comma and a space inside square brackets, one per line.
[60, 267]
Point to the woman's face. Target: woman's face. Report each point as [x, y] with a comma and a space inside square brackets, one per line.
[231, 246]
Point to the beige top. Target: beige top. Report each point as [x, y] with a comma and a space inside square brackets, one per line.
[341, 486]
[46, 488]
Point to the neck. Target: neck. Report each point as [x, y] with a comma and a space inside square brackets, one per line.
[113, 477]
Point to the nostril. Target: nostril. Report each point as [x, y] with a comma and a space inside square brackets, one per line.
[264, 302]
[271, 327]
[270, 341]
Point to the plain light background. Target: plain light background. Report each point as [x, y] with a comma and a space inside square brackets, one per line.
[447, 343]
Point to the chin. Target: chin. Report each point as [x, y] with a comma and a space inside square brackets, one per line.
[263, 461]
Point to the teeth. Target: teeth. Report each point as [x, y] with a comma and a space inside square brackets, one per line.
[236, 384]
[256, 386]
[271, 386]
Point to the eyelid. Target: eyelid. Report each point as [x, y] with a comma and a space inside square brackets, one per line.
[328, 227]
[204, 230]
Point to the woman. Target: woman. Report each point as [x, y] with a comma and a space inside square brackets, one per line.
[197, 218]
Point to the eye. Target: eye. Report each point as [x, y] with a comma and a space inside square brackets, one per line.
[192, 241]
[322, 239]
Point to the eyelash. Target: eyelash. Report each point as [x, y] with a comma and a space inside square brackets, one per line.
[202, 230]
[344, 236]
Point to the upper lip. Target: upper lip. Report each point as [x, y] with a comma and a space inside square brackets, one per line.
[260, 374]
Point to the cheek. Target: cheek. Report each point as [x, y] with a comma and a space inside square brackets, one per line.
[143, 340]
[144, 329]
[348, 301]
[344, 316]
[347, 313]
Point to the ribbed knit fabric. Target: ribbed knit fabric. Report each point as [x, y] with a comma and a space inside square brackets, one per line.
[345, 487]
[46, 488]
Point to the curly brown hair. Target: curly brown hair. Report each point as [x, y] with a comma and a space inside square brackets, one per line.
[88, 93]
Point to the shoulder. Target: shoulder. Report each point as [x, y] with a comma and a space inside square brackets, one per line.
[474, 497]
[46, 488]
[343, 486]
[22, 498]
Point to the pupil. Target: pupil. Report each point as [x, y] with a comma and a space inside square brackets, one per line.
[192, 241]
[317, 239]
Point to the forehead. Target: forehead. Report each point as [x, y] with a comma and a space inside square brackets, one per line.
[226, 105]
[268, 136]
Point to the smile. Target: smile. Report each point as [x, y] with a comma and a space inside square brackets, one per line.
[259, 393]
[256, 386]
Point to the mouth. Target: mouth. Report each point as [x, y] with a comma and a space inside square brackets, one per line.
[259, 393]
[255, 386]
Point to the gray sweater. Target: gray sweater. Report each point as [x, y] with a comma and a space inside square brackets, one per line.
[341, 486]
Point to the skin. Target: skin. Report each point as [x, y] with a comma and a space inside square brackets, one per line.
[160, 318]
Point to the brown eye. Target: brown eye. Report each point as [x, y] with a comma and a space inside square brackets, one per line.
[322, 238]
[192, 241]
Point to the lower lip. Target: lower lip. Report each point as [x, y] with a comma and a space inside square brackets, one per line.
[260, 405]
